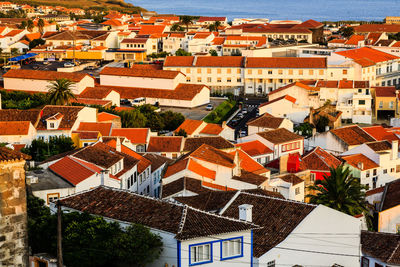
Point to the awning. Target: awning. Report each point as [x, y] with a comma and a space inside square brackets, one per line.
[22, 57]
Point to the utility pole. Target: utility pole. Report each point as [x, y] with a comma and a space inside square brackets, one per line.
[59, 236]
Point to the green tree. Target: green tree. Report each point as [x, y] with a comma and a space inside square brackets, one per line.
[172, 120]
[186, 20]
[321, 124]
[213, 53]
[305, 129]
[181, 132]
[14, 51]
[211, 28]
[60, 92]
[394, 36]
[177, 28]
[40, 150]
[340, 191]
[23, 24]
[90, 241]
[30, 25]
[346, 31]
[36, 42]
[181, 52]
[40, 25]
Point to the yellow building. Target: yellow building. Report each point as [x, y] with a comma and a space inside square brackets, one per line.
[392, 20]
[386, 102]
[84, 138]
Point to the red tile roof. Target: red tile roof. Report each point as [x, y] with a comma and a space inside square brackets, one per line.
[96, 92]
[390, 28]
[380, 133]
[286, 62]
[279, 136]
[319, 160]
[222, 61]
[211, 128]
[254, 148]
[213, 155]
[135, 135]
[105, 117]
[44, 75]
[365, 55]
[14, 127]
[204, 19]
[176, 167]
[354, 39]
[249, 164]
[103, 127]
[143, 162]
[199, 169]
[388, 91]
[140, 72]
[183, 91]
[360, 161]
[165, 144]
[72, 170]
[352, 135]
[285, 97]
[189, 126]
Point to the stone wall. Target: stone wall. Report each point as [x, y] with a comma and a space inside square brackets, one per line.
[13, 215]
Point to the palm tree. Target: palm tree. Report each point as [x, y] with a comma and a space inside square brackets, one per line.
[186, 20]
[211, 27]
[176, 28]
[40, 25]
[217, 24]
[30, 25]
[340, 191]
[60, 92]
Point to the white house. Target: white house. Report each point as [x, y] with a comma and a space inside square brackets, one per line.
[268, 122]
[289, 185]
[39, 80]
[221, 241]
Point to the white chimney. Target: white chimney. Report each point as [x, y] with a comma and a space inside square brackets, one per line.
[104, 175]
[395, 149]
[360, 165]
[245, 212]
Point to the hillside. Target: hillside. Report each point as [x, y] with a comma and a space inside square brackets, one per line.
[119, 5]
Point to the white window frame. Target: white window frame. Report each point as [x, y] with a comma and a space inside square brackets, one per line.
[197, 254]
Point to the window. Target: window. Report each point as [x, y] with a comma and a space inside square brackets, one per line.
[397, 168]
[208, 79]
[380, 104]
[199, 79]
[218, 71]
[228, 71]
[391, 169]
[209, 71]
[280, 72]
[311, 72]
[260, 72]
[249, 71]
[239, 71]
[344, 71]
[300, 72]
[361, 102]
[374, 171]
[321, 72]
[271, 264]
[239, 80]
[297, 191]
[391, 104]
[198, 70]
[219, 80]
[232, 248]
[385, 171]
[367, 174]
[51, 124]
[365, 262]
[290, 72]
[52, 197]
[269, 71]
[200, 253]
[397, 228]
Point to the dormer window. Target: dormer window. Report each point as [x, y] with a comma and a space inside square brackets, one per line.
[53, 122]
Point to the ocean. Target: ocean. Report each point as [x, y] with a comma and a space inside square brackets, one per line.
[321, 10]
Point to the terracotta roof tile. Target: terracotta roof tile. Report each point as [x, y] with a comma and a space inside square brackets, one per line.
[248, 164]
[7, 154]
[96, 92]
[286, 216]
[156, 160]
[176, 167]
[250, 178]
[286, 62]
[291, 178]
[143, 164]
[103, 127]
[70, 115]
[183, 91]
[44, 75]
[72, 170]
[360, 162]
[352, 135]
[184, 183]
[165, 144]
[135, 135]
[254, 148]
[132, 208]
[20, 115]
[280, 135]
[199, 169]
[266, 121]
[285, 97]
[193, 143]
[179, 61]
[391, 197]
[14, 127]
[319, 160]
[389, 28]
[99, 154]
[381, 246]
[367, 53]
[189, 126]
[213, 155]
[105, 117]
[388, 91]
[211, 128]
[223, 61]
[380, 133]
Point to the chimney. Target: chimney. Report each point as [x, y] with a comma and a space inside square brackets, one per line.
[223, 123]
[395, 149]
[237, 161]
[246, 212]
[104, 175]
[118, 144]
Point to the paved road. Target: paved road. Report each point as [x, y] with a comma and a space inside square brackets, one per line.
[197, 113]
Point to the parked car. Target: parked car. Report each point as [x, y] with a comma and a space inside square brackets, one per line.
[209, 107]
[244, 110]
[45, 62]
[90, 68]
[243, 133]
[69, 64]
[125, 102]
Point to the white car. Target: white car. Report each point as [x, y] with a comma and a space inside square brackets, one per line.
[69, 64]
[209, 107]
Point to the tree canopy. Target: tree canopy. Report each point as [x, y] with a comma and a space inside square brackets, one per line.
[90, 241]
[40, 150]
[340, 191]
[60, 92]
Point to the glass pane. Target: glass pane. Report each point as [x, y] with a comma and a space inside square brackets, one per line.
[193, 254]
[206, 252]
[231, 248]
[225, 249]
[200, 253]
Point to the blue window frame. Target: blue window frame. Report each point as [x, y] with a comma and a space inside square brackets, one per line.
[231, 248]
[200, 253]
